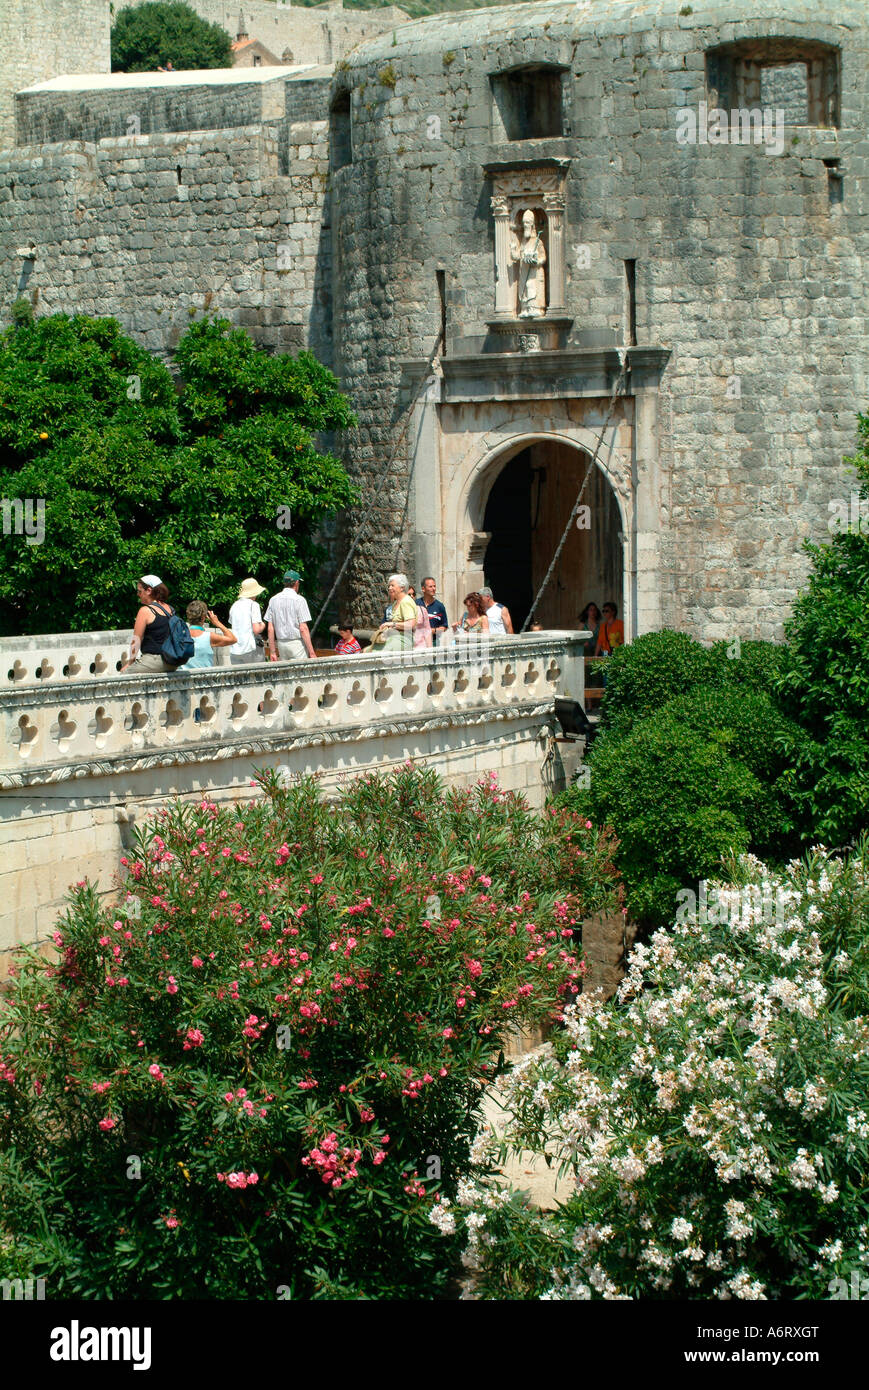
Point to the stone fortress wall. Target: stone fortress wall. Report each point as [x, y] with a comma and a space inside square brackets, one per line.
[305, 202]
[747, 268]
[39, 40]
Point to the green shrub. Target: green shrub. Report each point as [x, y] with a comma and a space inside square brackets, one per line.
[714, 1116]
[255, 1076]
[824, 685]
[694, 760]
[645, 674]
[706, 774]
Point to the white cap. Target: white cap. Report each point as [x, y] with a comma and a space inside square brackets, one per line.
[151, 580]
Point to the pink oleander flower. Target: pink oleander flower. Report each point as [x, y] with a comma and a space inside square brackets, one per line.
[171, 1221]
[156, 1072]
[108, 1123]
[172, 987]
[100, 1086]
[195, 1038]
[196, 963]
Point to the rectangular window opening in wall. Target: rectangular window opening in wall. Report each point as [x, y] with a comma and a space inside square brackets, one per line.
[340, 132]
[528, 104]
[799, 77]
[442, 300]
[630, 303]
[835, 182]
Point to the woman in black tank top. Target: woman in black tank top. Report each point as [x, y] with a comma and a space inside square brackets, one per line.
[151, 629]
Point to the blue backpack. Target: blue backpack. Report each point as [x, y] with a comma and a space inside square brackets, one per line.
[179, 645]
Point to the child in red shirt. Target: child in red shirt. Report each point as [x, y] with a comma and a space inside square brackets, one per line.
[347, 645]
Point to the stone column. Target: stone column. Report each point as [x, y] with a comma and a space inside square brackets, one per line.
[501, 213]
[553, 204]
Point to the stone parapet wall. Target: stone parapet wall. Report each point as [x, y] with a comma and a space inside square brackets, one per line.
[154, 228]
[146, 104]
[83, 760]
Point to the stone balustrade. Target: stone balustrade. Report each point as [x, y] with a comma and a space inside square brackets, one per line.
[61, 658]
[68, 714]
[87, 755]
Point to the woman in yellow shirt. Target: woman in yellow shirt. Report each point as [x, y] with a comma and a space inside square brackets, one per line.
[396, 634]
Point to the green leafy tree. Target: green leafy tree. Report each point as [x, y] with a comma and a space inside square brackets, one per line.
[137, 478]
[146, 37]
[824, 686]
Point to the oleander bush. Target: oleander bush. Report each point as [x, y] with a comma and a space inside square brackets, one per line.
[714, 1116]
[252, 1080]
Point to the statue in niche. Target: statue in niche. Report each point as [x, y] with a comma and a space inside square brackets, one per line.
[529, 254]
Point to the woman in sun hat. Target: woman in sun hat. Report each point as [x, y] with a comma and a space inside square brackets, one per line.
[246, 621]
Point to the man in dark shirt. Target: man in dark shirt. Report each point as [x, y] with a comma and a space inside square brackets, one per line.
[437, 614]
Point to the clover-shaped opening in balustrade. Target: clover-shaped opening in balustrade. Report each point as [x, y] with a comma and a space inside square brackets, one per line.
[238, 709]
[268, 705]
[72, 666]
[435, 686]
[328, 697]
[384, 691]
[99, 665]
[136, 719]
[27, 732]
[532, 675]
[171, 717]
[461, 682]
[485, 678]
[410, 689]
[17, 672]
[553, 670]
[44, 669]
[508, 676]
[63, 730]
[299, 701]
[356, 695]
[205, 711]
[100, 726]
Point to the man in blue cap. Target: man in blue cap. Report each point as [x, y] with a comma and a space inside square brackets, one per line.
[288, 616]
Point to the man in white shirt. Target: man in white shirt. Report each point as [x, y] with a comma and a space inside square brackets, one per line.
[288, 616]
[246, 621]
[500, 622]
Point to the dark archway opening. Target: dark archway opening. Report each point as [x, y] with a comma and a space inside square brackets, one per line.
[525, 515]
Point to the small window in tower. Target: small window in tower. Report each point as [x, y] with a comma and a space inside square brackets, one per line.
[799, 77]
[340, 132]
[528, 104]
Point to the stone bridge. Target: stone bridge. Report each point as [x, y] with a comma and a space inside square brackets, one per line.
[86, 753]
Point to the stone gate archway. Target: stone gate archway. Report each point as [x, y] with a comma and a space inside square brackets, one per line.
[529, 499]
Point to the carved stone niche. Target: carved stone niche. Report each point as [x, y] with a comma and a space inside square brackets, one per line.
[528, 205]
